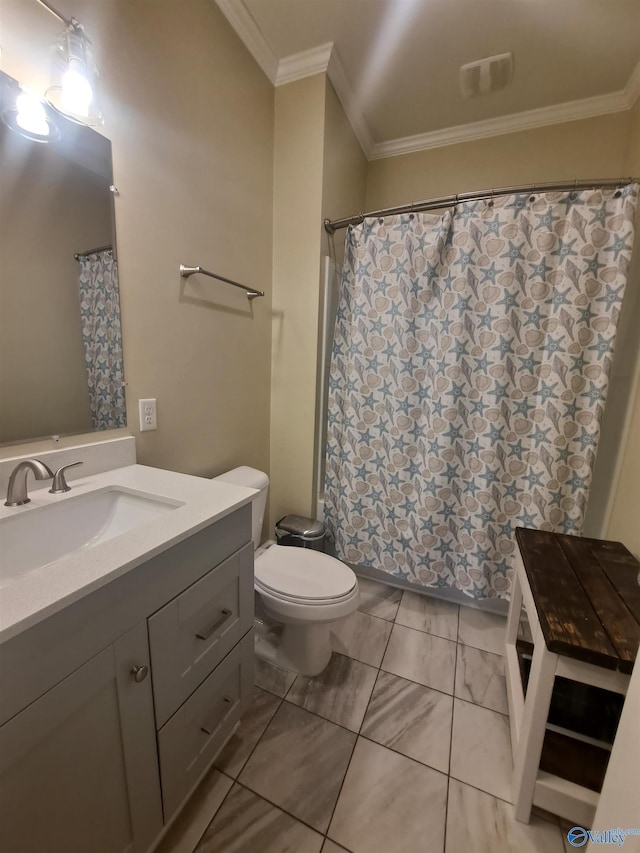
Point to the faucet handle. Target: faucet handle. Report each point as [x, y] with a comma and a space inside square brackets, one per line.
[59, 485]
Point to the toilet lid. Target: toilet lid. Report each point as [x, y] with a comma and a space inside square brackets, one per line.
[303, 574]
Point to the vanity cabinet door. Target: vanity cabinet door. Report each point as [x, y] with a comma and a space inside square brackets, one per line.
[78, 767]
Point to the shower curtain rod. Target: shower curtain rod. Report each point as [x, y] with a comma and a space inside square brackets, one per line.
[332, 225]
[97, 249]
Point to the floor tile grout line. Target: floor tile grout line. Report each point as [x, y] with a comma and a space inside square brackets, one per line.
[359, 733]
[453, 709]
[373, 616]
[484, 708]
[276, 806]
[386, 646]
[335, 805]
[255, 746]
[404, 755]
[428, 633]
[355, 743]
[326, 719]
[482, 791]
[221, 803]
[395, 675]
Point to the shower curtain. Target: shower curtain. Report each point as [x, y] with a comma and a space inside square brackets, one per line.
[468, 379]
[102, 338]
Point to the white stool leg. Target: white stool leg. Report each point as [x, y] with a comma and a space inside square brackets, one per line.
[536, 709]
[515, 611]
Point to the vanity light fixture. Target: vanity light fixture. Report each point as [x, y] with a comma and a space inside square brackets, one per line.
[25, 113]
[73, 91]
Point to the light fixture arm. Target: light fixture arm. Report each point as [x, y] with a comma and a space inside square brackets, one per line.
[73, 23]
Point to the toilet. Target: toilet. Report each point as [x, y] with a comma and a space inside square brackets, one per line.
[301, 591]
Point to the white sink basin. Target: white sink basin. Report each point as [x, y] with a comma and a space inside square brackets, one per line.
[39, 535]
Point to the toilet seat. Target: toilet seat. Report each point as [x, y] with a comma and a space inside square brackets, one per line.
[318, 602]
[303, 576]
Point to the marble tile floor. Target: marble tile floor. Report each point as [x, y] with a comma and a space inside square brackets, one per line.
[400, 746]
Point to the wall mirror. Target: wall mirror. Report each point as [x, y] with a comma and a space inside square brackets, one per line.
[61, 369]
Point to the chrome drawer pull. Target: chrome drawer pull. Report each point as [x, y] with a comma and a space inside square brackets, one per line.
[210, 727]
[204, 635]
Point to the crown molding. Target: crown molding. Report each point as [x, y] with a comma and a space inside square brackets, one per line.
[315, 61]
[555, 114]
[304, 64]
[632, 89]
[349, 101]
[325, 59]
[243, 22]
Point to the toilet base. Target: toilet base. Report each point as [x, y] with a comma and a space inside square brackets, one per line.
[305, 649]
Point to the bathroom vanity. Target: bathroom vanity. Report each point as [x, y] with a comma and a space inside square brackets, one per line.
[125, 666]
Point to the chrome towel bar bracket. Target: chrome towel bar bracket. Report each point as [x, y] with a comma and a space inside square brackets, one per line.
[251, 293]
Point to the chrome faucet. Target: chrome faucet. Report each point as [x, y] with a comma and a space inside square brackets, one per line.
[17, 491]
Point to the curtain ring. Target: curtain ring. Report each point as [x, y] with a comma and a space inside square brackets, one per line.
[490, 202]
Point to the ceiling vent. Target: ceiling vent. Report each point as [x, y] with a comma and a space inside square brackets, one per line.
[486, 75]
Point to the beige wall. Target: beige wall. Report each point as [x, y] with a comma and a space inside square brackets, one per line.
[319, 171]
[624, 521]
[49, 209]
[344, 179]
[297, 206]
[590, 148]
[190, 116]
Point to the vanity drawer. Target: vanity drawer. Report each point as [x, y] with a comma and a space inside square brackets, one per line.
[190, 635]
[191, 739]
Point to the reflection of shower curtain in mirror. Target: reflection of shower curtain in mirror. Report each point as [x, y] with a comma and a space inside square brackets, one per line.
[468, 379]
[102, 338]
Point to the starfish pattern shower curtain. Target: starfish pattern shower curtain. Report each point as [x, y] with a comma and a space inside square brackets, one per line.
[102, 338]
[468, 380]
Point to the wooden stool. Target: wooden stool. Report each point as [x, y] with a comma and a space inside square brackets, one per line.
[582, 600]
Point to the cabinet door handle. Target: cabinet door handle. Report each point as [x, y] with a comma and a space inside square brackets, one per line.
[224, 615]
[139, 673]
[210, 726]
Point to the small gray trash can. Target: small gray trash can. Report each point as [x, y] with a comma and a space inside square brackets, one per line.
[301, 532]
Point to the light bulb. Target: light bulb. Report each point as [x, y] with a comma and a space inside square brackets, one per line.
[30, 115]
[76, 90]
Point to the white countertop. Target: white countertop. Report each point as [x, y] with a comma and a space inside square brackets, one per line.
[40, 592]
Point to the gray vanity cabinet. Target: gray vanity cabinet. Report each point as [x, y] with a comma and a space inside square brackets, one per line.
[78, 767]
[113, 708]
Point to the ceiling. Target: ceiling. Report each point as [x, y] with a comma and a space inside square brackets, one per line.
[400, 58]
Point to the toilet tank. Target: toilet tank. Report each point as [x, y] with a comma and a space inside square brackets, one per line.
[252, 479]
